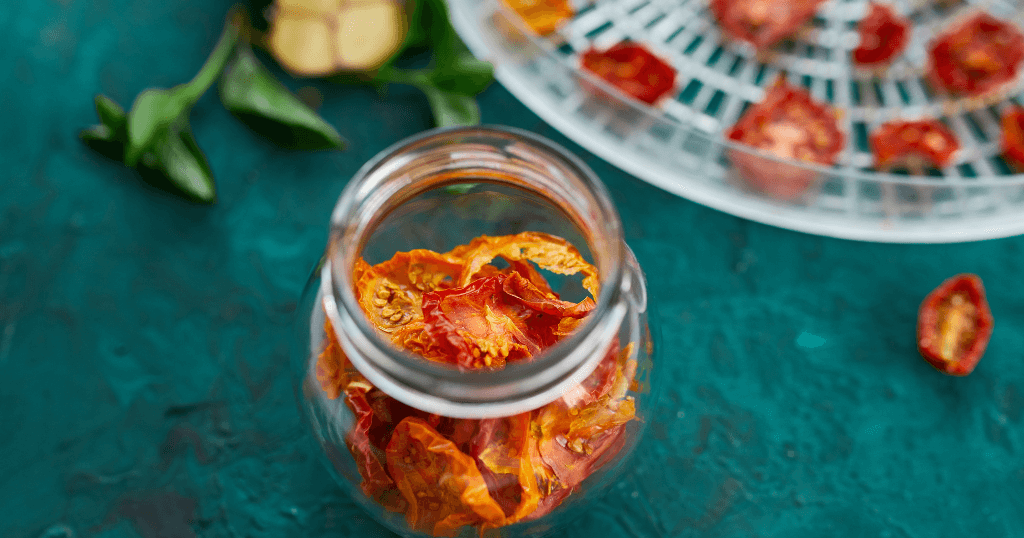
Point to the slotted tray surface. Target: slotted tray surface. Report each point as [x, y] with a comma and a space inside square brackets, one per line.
[677, 144]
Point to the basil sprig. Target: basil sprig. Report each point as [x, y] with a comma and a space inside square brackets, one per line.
[453, 78]
[155, 136]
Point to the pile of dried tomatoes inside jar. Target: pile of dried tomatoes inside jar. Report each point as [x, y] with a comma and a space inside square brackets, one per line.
[459, 308]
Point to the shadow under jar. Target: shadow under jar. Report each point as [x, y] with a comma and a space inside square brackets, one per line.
[476, 358]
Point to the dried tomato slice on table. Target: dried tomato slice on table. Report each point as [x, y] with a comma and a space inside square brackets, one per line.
[762, 23]
[915, 145]
[633, 69]
[977, 56]
[787, 124]
[883, 35]
[954, 325]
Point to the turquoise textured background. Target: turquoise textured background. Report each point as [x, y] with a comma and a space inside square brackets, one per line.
[144, 340]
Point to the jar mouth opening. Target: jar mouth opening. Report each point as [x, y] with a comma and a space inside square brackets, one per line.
[368, 197]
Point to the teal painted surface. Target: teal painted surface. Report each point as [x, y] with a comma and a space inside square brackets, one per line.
[144, 389]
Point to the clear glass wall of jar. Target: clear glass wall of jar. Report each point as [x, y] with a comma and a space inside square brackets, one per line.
[436, 449]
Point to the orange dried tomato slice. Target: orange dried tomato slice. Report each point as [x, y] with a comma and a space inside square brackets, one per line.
[501, 447]
[442, 485]
[547, 251]
[543, 16]
[390, 292]
[333, 369]
[493, 320]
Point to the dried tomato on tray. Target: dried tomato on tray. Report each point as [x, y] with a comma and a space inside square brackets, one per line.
[913, 144]
[1013, 136]
[883, 36]
[762, 23]
[979, 55]
[633, 69]
[789, 125]
[542, 16]
[954, 325]
[459, 308]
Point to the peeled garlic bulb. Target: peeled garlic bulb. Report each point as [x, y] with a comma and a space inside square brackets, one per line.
[321, 37]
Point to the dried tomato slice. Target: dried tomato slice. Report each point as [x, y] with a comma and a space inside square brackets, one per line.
[501, 447]
[442, 485]
[762, 22]
[913, 144]
[954, 325]
[883, 35]
[547, 251]
[633, 69]
[376, 483]
[333, 369]
[1013, 136]
[543, 16]
[787, 124]
[980, 54]
[390, 292]
[493, 320]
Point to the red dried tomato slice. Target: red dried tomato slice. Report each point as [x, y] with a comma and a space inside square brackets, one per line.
[442, 485]
[376, 483]
[543, 16]
[954, 325]
[1013, 136]
[883, 35]
[493, 320]
[762, 22]
[913, 144]
[633, 69]
[787, 124]
[980, 54]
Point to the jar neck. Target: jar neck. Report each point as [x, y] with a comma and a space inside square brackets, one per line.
[503, 156]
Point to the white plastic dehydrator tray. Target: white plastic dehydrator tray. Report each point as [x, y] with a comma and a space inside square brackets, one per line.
[678, 144]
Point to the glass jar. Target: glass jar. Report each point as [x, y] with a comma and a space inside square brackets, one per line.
[512, 433]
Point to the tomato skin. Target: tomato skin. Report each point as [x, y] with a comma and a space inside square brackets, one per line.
[633, 69]
[787, 124]
[762, 23]
[977, 56]
[910, 142]
[1013, 136]
[954, 325]
[883, 35]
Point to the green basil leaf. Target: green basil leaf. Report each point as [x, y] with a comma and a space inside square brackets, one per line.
[253, 95]
[103, 140]
[110, 113]
[152, 113]
[451, 108]
[179, 158]
[467, 75]
[108, 138]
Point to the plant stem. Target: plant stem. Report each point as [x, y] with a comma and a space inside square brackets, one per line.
[206, 76]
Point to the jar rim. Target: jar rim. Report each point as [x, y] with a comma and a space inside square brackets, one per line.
[433, 387]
